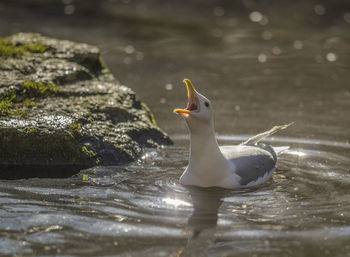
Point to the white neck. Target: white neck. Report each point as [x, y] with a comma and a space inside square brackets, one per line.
[207, 166]
[205, 155]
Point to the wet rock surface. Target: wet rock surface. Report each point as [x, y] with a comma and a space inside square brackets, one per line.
[61, 107]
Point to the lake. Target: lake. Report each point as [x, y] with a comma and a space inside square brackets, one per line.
[261, 64]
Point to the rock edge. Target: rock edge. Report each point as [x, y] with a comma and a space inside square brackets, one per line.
[61, 107]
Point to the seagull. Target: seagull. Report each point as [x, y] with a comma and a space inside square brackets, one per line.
[235, 166]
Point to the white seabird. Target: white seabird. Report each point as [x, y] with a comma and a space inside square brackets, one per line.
[211, 165]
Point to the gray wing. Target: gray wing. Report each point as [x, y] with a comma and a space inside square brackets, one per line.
[251, 162]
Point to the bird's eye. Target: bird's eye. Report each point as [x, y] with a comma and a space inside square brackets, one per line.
[206, 104]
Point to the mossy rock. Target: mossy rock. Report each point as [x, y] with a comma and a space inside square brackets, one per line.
[61, 107]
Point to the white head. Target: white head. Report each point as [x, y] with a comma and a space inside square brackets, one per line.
[198, 113]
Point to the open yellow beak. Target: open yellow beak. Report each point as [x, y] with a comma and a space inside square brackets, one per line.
[179, 111]
[193, 102]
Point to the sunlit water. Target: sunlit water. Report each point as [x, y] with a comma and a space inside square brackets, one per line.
[142, 210]
[261, 63]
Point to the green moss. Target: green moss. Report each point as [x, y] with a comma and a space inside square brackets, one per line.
[14, 103]
[29, 102]
[7, 48]
[11, 105]
[9, 108]
[90, 153]
[35, 89]
[31, 130]
[75, 129]
[85, 177]
[35, 48]
[6, 105]
[4, 41]
[103, 65]
[19, 113]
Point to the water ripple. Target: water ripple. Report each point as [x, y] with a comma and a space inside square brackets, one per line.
[143, 204]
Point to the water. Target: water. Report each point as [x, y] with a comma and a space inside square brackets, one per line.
[261, 64]
[141, 210]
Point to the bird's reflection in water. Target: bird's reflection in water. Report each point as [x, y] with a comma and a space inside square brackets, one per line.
[206, 203]
[202, 222]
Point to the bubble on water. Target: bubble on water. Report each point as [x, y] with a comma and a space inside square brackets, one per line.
[69, 9]
[262, 58]
[267, 35]
[219, 11]
[237, 108]
[162, 100]
[347, 17]
[264, 20]
[298, 44]
[129, 49]
[255, 16]
[276, 50]
[319, 9]
[331, 57]
[169, 86]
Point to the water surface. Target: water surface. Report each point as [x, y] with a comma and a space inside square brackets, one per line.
[141, 210]
[261, 64]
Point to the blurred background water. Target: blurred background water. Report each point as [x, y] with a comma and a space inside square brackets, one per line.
[261, 63]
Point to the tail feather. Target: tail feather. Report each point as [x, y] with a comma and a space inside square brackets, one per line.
[257, 138]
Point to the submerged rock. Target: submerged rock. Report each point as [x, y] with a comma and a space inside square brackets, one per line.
[61, 107]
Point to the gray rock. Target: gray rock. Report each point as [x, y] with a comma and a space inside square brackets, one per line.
[61, 107]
